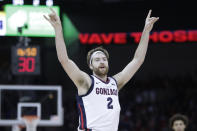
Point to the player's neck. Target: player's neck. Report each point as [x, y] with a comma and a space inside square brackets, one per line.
[103, 77]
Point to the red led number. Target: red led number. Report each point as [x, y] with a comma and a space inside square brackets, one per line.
[26, 64]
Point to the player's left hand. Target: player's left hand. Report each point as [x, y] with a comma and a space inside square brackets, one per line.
[53, 19]
[150, 21]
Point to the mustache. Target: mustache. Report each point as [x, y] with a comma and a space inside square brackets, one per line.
[100, 66]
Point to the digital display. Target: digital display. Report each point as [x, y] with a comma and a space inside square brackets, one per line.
[163, 36]
[26, 60]
[29, 20]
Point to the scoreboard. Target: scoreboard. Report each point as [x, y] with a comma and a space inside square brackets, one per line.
[30, 19]
[25, 60]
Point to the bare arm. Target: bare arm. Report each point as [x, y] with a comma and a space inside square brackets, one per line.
[80, 78]
[127, 73]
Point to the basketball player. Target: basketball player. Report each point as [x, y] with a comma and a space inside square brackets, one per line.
[98, 102]
[178, 122]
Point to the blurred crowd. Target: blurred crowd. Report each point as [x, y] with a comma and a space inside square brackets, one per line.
[148, 106]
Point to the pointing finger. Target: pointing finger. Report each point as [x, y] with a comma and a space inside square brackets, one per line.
[149, 13]
[52, 10]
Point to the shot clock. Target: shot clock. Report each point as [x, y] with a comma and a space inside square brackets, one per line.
[25, 60]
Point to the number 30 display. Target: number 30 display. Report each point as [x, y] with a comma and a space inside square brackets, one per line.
[26, 60]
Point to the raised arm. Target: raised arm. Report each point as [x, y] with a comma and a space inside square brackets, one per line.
[80, 78]
[126, 74]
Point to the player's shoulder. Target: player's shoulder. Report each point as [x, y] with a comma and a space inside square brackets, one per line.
[113, 80]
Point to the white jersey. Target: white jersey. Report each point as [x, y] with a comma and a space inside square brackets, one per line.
[99, 109]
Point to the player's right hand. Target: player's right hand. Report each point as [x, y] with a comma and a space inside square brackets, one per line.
[53, 19]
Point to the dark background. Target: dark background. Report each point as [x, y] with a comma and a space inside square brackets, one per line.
[164, 85]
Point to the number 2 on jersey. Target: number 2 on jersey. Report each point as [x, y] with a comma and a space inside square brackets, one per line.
[109, 105]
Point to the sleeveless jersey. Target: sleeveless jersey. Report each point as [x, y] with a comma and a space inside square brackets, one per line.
[99, 109]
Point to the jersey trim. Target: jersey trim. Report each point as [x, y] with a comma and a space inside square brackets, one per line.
[82, 114]
[107, 82]
[90, 89]
[81, 109]
[115, 81]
